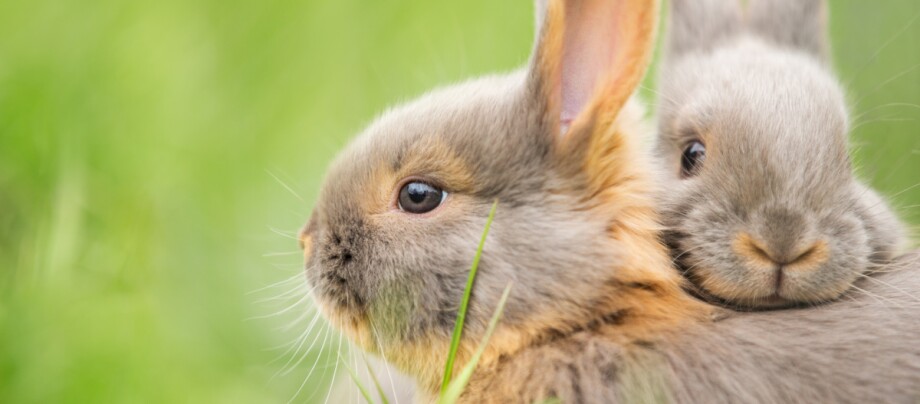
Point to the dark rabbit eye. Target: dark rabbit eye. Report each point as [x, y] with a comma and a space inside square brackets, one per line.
[692, 158]
[419, 197]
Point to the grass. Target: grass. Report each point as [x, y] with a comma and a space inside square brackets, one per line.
[139, 141]
[464, 303]
[451, 388]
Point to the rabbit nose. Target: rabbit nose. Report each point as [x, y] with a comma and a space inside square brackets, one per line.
[803, 257]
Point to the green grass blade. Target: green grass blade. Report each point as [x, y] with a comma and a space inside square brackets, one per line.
[367, 396]
[383, 396]
[456, 387]
[461, 314]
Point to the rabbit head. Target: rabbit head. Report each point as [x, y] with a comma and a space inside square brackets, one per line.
[762, 207]
[391, 239]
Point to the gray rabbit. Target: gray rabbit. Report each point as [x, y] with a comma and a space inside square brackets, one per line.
[762, 207]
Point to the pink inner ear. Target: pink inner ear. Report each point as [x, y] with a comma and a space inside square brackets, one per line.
[588, 52]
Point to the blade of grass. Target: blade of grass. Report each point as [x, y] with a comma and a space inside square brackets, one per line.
[367, 396]
[383, 396]
[461, 314]
[456, 387]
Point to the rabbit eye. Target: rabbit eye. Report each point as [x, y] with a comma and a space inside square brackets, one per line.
[692, 159]
[419, 197]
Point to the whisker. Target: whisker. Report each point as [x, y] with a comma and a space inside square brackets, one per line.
[289, 189]
[303, 316]
[299, 288]
[334, 371]
[882, 48]
[386, 362]
[282, 311]
[886, 82]
[875, 297]
[890, 286]
[292, 346]
[312, 368]
[286, 369]
[864, 123]
[284, 233]
[282, 254]
[888, 105]
[279, 283]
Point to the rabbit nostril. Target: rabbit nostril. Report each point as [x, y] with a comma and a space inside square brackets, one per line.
[809, 258]
[753, 251]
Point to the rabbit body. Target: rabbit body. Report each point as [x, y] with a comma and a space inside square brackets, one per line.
[857, 350]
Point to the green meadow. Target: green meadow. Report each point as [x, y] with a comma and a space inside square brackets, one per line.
[158, 157]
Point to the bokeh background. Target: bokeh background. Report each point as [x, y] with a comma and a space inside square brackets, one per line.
[157, 158]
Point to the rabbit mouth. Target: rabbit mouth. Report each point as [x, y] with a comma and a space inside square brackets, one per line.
[770, 301]
[345, 296]
[334, 288]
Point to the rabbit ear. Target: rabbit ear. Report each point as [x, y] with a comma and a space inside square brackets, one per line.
[801, 24]
[698, 25]
[590, 56]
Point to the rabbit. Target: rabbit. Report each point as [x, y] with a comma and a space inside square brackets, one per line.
[596, 312]
[762, 207]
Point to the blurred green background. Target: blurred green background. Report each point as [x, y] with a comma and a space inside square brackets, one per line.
[157, 158]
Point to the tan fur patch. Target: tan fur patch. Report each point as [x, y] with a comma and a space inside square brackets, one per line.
[430, 160]
[752, 250]
[306, 244]
[811, 259]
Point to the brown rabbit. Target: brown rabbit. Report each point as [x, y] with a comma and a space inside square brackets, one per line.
[596, 313]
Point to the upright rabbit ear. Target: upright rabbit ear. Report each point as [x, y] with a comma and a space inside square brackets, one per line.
[590, 56]
[800, 24]
[699, 25]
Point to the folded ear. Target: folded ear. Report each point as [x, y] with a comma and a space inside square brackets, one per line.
[590, 56]
[799, 24]
[699, 25]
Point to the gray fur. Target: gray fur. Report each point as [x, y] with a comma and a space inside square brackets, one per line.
[795, 24]
[774, 121]
[700, 25]
[862, 349]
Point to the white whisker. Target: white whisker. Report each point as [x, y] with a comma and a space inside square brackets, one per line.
[886, 82]
[287, 368]
[279, 283]
[386, 361]
[284, 234]
[289, 189]
[312, 368]
[282, 254]
[334, 371]
[282, 311]
[890, 286]
[875, 297]
[882, 48]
